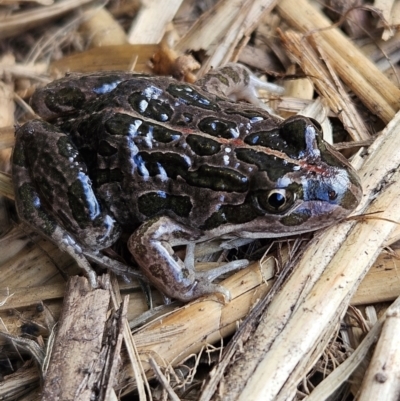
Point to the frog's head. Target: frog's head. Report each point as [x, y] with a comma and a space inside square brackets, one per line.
[312, 185]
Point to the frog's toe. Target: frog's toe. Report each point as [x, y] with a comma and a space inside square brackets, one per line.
[204, 285]
[211, 275]
[205, 288]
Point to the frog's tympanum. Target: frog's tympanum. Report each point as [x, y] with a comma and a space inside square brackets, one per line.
[171, 164]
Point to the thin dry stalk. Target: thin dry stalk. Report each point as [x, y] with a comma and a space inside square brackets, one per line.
[6, 187]
[326, 84]
[152, 21]
[134, 365]
[316, 296]
[223, 28]
[173, 337]
[102, 29]
[346, 369]
[19, 23]
[373, 88]
[110, 371]
[24, 381]
[382, 377]
[7, 137]
[117, 58]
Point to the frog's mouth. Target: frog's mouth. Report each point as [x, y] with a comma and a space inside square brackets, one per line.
[304, 217]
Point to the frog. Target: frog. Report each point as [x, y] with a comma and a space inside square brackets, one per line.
[172, 164]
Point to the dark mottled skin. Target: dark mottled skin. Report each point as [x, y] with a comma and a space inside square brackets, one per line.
[194, 164]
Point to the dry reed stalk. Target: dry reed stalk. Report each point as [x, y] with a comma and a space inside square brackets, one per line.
[389, 16]
[326, 83]
[102, 29]
[133, 355]
[372, 87]
[152, 21]
[6, 187]
[222, 29]
[311, 304]
[19, 23]
[7, 137]
[173, 337]
[119, 57]
[381, 381]
[24, 380]
[381, 284]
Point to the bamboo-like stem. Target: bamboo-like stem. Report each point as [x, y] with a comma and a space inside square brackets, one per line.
[360, 74]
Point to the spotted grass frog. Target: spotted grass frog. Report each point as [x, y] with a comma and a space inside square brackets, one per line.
[171, 164]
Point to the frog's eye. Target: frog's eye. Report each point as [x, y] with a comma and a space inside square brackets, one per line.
[276, 200]
[332, 195]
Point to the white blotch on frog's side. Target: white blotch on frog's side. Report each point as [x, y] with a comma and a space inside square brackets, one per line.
[91, 205]
[228, 150]
[148, 139]
[162, 173]
[105, 88]
[134, 127]
[152, 92]
[256, 118]
[163, 117]
[296, 167]
[234, 132]
[187, 159]
[283, 182]
[310, 141]
[36, 202]
[143, 171]
[143, 105]
[226, 160]
[131, 150]
[162, 194]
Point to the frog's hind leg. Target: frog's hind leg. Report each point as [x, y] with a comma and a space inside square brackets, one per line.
[151, 245]
[53, 193]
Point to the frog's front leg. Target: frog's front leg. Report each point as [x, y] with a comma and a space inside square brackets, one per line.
[54, 195]
[151, 245]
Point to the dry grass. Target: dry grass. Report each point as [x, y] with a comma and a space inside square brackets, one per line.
[304, 333]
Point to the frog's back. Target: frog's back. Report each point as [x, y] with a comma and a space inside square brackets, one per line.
[162, 147]
[154, 146]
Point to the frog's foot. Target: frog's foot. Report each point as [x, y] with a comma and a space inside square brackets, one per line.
[203, 280]
[69, 245]
[151, 245]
